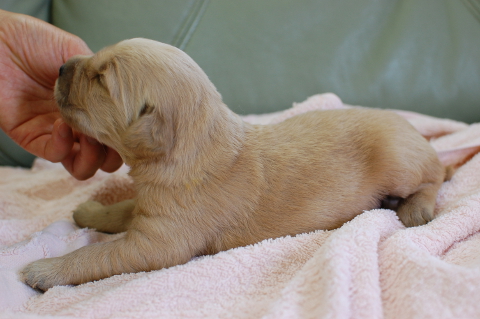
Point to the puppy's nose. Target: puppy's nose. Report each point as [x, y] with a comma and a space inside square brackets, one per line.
[60, 72]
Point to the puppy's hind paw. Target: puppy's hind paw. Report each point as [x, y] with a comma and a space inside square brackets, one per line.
[418, 218]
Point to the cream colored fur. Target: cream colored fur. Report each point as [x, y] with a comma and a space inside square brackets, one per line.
[206, 181]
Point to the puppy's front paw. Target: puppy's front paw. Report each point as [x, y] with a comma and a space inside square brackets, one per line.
[44, 274]
[113, 219]
[85, 214]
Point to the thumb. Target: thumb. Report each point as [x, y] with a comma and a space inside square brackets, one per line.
[60, 144]
[73, 45]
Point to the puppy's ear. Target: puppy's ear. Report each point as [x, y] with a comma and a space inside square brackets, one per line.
[150, 134]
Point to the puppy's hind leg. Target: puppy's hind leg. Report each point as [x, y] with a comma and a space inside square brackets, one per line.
[418, 208]
[114, 218]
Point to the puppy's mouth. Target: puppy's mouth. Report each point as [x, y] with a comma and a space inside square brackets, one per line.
[66, 109]
[61, 95]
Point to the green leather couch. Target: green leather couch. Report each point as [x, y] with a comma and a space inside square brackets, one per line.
[419, 55]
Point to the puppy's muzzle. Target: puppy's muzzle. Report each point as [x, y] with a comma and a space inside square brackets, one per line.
[65, 77]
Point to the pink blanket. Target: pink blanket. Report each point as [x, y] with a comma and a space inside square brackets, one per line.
[371, 267]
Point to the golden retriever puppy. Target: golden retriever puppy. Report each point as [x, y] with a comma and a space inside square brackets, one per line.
[206, 181]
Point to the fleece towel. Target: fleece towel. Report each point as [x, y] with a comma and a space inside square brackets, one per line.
[371, 267]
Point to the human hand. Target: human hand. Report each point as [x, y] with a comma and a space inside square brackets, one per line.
[31, 53]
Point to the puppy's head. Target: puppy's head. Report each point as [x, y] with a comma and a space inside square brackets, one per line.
[135, 96]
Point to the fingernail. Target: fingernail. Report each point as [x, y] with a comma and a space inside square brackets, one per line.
[92, 141]
[64, 130]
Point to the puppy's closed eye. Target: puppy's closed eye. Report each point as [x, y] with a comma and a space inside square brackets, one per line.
[146, 109]
[98, 79]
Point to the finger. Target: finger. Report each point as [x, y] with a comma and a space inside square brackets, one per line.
[86, 159]
[112, 162]
[59, 146]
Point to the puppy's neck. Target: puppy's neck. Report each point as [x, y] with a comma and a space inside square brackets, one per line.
[204, 148]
